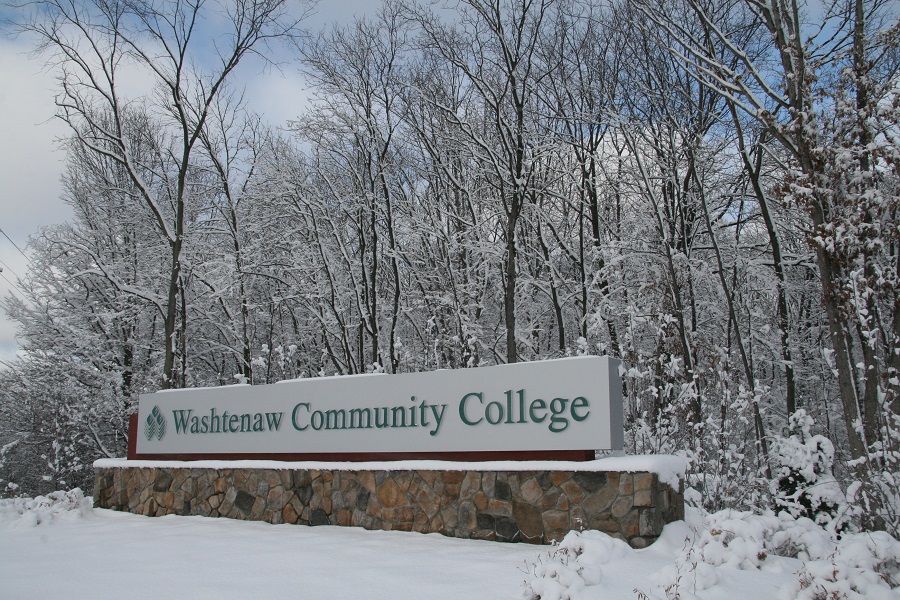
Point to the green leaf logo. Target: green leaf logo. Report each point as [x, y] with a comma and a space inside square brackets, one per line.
[155, 426]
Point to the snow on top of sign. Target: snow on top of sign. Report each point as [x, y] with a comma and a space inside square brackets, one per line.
[200, 389]
[669, 469]
[335, 376]
[352, 375]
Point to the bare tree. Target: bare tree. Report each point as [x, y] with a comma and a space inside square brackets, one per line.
[496, 49]
[847, 66]
[96, 45]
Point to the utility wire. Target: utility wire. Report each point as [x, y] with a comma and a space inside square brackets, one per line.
[9, 268]
[12, 286]
[13, 243]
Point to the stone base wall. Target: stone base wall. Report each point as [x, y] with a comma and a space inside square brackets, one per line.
[514, 506]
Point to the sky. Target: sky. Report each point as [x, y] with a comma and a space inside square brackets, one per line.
[31, 162]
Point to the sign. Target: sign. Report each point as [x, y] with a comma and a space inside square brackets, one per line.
[565, 404]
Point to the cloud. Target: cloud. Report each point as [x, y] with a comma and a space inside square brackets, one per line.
[277, 97]
[30, 164]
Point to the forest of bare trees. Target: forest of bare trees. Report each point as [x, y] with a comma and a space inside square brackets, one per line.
[705, 190]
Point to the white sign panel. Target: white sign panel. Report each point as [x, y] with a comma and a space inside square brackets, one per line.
[566, 404]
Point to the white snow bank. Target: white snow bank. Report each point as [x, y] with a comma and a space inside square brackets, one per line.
[712, 552]
[861, 566]
[121, 556]
[670, 469]
[722, 556]
[42, 510]
[577, 563]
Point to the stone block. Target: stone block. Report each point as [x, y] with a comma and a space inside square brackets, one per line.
[560, 477]
[643, 498]
[390, 494]
[590, 481]
[453, 477]
[630, 524]
[319, 517]
[621, 506]
[401, 514]
[274, 499]
[531, 491]
[362, 519]
[573, 491]
[467, 516]
[488, 482]
[499, 507]
[502, 491]
[600, 501]
[528, 518]
[428, 504]
[429, 477]
[650, 523]
[545, 481]
[507, 530]
[244, 502]
[606, 524]
[362, 499]
[643, 481]
[480, 534]
[162, 481]
[485, 521]
[450, 516]
[665, 498]
[289, 515]
[550, 498]
[471, 484]
[555, 521]
[304, 493]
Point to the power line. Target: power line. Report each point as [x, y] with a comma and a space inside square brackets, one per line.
[13, 243]
[9, 268]
[12, 286]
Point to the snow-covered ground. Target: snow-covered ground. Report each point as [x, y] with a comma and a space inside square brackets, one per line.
[60, 547]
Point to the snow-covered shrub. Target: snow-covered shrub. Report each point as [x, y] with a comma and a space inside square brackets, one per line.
[876, 494]
[861, 566]
[575, 564]
[803, 483]
[30, 512]
[704, 551]
[743, 540]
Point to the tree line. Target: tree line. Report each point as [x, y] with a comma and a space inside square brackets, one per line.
[705, 190]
